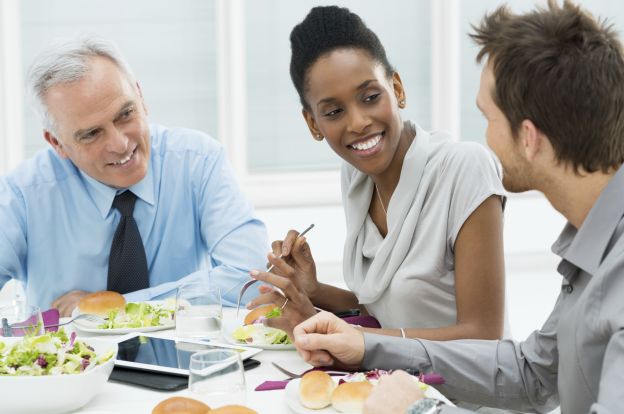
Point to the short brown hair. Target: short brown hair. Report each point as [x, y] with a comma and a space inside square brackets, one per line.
[562, 69]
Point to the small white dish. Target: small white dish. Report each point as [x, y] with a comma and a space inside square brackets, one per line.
[291, 395]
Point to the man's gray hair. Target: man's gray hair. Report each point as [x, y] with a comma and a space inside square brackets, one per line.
[68, 62]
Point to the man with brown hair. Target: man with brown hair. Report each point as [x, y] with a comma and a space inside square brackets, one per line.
[552, 92]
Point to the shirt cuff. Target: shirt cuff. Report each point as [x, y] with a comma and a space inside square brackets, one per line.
[388, 352]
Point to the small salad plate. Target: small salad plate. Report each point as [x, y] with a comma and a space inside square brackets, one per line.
[257, 336]
[137, 313]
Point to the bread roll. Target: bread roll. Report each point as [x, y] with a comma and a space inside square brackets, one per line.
[233, 409]
[349, 397]
[258, 312]
[315, 390]
[181, 405]
[100, 303]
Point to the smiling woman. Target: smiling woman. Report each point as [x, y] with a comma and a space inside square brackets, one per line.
[423, 252]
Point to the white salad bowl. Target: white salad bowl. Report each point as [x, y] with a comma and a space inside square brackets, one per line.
[53, 394]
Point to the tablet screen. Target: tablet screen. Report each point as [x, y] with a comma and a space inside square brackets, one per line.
[162, 354]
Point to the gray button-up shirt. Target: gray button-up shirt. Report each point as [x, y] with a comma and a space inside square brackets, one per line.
[577, 357]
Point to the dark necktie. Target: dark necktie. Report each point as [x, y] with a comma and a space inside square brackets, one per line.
[127, 265]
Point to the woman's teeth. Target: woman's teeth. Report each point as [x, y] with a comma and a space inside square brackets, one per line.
[364, 145]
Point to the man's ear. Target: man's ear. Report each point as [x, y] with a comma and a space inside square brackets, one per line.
[138, 86]
[314, 130]
[55, 143]
[532, 140]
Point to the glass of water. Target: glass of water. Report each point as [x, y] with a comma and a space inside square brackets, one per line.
[217, 377]
[20, 319]
[199, 313]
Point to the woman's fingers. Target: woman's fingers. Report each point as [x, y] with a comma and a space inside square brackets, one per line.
[289, 241]
[266, 298]
[281, 267]
[283, 283]
[276, 247]
[265, 289]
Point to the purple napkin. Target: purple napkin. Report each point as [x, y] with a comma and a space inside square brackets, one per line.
[51, 317]
[430, 379]
[280, 385]
[272, 385]
[365, 321]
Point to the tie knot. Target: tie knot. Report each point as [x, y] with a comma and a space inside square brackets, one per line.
[124, 202]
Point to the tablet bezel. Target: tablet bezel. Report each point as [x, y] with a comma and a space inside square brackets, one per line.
[247, 352]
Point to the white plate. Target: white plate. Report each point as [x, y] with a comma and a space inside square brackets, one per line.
[292, 398]
[231, 325]
[271, 347]
[92, 327]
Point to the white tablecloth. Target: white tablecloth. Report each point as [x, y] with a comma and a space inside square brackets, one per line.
[121, 398]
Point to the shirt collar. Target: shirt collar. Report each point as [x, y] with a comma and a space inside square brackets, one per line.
[103, 195]
[586, 247]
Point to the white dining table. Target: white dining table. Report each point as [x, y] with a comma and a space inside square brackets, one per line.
[122, 398]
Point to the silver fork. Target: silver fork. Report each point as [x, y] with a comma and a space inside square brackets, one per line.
[86, 316]
[292, 375]
[252, 281]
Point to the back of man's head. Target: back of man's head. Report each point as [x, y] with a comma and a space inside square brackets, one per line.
[562, 69]
[67, 62]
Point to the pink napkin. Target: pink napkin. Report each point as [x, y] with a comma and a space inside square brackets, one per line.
[365, 321]
[272, 385]
[280, 385]
[431, 379]
[51, 317]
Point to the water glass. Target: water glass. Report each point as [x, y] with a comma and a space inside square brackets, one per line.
[217, 377]
[199, 313]
[20, 319]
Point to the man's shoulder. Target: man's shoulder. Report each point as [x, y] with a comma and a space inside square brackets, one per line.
[45, 167]
[176, 139]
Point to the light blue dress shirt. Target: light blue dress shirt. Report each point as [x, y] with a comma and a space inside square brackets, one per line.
[57, 223]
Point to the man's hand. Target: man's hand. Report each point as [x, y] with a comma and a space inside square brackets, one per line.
[325, 339]
[66, 303]
[393, 394]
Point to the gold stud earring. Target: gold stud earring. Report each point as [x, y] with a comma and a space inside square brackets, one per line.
[402, 103]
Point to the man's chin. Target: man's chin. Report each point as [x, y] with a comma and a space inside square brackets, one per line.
[127, 181]
[513, 187]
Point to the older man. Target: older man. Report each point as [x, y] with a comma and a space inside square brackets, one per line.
[115, 203]
[552, 93]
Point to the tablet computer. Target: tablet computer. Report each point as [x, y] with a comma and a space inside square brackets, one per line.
[151, 353]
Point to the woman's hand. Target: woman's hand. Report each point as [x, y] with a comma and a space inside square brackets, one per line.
[295, 304]
[295, 252]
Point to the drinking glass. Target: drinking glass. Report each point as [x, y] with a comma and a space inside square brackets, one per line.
[199, 313]
[217, 377]
[20, 319]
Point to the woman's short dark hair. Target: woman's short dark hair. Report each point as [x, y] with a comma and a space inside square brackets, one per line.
[563, 70]
[325, 29]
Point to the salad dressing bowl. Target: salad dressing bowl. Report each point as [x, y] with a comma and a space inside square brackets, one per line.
[51, 394]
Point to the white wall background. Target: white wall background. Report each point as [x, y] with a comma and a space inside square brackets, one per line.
[222, 66]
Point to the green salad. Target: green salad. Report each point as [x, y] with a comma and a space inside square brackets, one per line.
[139, 315]
[260, 334]
[50, 354]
